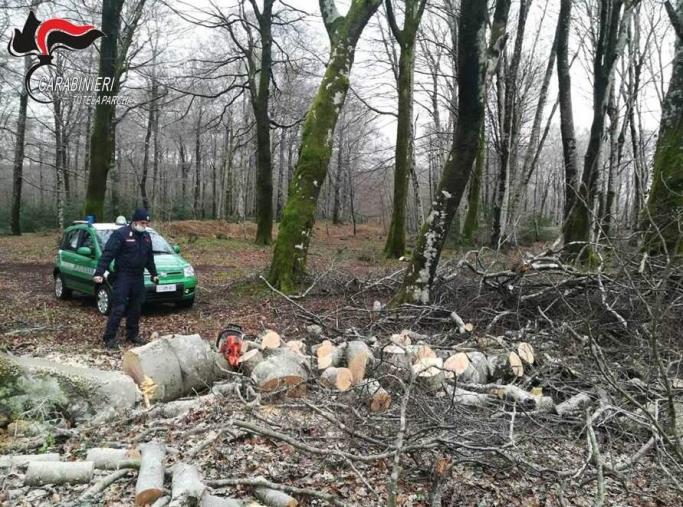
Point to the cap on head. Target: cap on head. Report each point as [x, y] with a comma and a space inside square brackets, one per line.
[140, 214]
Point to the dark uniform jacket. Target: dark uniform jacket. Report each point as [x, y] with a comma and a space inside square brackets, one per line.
[132, 252]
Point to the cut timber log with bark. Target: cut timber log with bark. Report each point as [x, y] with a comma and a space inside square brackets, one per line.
[22, 460]
[275, 498]
[282, 369]
[331, 355]
[396, 356]
[107, 458]
[340, 379]
[250, 360]
[82, 392]
[429, 373]
[269, 339]
[187, 487]
[59, 472]
[176, 365]
[373, 395]
[150, 483]
[358, 357]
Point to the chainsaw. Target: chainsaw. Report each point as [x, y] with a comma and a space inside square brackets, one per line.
[229, 344]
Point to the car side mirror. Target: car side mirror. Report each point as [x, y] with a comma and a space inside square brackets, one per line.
[85, 251]
[176, 248]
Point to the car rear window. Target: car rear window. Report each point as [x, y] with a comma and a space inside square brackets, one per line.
[159, 244]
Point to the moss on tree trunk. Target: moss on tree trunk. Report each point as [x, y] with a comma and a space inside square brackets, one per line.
[298, 217]
[664, 220]
[458, 166]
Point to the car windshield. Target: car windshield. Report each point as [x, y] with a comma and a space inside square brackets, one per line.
[159, 244]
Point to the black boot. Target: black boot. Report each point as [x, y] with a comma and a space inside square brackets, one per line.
[138, 340]
[111, 344]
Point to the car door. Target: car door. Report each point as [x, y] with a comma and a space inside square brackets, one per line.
[86, 264]
[68, 259]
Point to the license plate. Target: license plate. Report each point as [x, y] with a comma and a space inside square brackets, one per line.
[166, 288]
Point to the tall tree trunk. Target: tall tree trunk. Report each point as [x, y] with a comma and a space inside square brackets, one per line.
[456, 172]
[296, 228]
[260, 98]
[145, 157]
[198, 167]
[102, 138]
[336, 210]
[473, 197]
[396, 240]
[18, 165]
[59, 161]
[566, 112]
[280, 174]
[665, 203]
[611, 38]
[614, 160]
[509, 131]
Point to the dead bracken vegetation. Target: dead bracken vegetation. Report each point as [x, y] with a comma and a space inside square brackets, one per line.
[528, 382]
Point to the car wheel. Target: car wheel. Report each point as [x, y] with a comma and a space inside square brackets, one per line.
[61, 290]
[103, 299]
[185, 303]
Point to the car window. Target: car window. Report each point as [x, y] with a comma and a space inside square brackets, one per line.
[159, 244]
[86, 240]
[70, 241]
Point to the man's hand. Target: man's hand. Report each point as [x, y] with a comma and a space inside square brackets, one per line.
[98, 279]
[155, 280]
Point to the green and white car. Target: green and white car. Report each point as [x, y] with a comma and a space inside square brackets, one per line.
[80, 250]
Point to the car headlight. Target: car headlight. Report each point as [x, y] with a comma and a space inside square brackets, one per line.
[188, 271]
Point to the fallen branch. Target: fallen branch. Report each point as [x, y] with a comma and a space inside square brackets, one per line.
[261, 482]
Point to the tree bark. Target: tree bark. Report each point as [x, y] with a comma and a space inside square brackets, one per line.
[566, 111]
[260, 100]
[296, 228]
[102, 138]
[396, 242]
[665, 203]
[18, 166]
[611, 38]
[509, 130]
[472, 218]
[458, 166]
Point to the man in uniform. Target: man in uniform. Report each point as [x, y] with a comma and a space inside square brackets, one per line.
[131, 247]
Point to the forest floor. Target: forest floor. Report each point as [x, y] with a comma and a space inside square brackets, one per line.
[502, 457]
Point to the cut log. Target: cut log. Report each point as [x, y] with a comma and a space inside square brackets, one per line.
[247, 345]
[106, 458]
[468, 398]
[187, 487]
[275, 498]
[375, 397]
[573, 405]
[59, 472]
[420, 351]
[217, 501]
[22, 460]
[430, 374]
[296, 346]
[249, 360]
[358, 356]
[322, 349]
[525, 352]
[150, 483]
[505, 366]
[269, 339]
[340, 379]
[334, 356]
[84, 393]
[401, 339]
[282, 370]
[478, 370]
[525, 399]
[176, 365]
[456, 365]
[396, 356]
